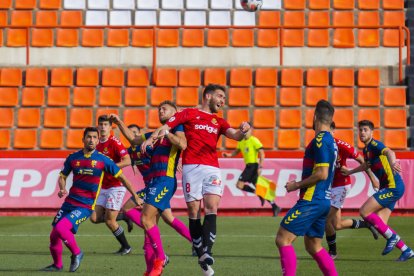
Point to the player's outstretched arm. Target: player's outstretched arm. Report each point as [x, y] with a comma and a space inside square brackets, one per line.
[62, 186]
[230, 154]
[320, 173]
[130, 189]
[178, 139]
[360, 168]
[125, 161]
[157, 134]
[126, 131]
[374, 182]
[238, 134]
[392, 159]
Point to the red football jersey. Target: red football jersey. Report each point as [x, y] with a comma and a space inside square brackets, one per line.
[345, 151]
[114, 149]
[202, 130]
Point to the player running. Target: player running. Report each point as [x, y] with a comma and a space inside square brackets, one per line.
[110, 199]
[377, 209]
[201, 173]
[253, 156]
[340, 188]
[308, 217]
[88, 167]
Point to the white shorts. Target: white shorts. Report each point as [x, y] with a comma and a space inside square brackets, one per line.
[111, 198]
[338, 195]
[199, 180]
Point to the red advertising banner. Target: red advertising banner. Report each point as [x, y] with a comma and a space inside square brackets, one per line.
[32, 183]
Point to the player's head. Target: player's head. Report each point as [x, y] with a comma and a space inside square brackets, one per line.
[333, 127]
[104, 125]
[90, 138]
[324, 112]
[214, 97]
[136, 130]
[366, 130]
[166, 110]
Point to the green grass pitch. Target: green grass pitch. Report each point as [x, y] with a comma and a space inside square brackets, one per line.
[244, 246]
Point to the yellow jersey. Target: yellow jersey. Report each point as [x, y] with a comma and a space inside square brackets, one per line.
[250, 148]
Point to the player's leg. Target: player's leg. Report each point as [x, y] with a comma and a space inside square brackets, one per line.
[331, 221]
[55, 246]
[98, 215]
[176, 224]
[196, 229]
[244, 183]
[117, 231]
[314, 247]
[284, 242]
[211, 204]
[131, 211]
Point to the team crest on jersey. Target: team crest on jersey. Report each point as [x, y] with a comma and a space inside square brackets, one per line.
[105, 150]
[77, 163]
[172, 119]
[93, 163]
[214, 121]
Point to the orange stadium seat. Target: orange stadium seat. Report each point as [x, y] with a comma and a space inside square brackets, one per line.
[265, 96]
[290, 96]
[267, 38]
[33, 96]
[166, 77]
[192, 38]
[105, 111]
[189, 77]
[394, 96]
[61, 77]
[160, 94]
[264, 118]
[87, 77]
[25, 138]
[368, 37]
[288, 139]
[236, 116]
[50, 4]
[4, 138]
[187, 96]
[4, 18]
[266, 77]
[317, 77]
[135, 116]
[343, 18]
[368, 4]
[293, 38]
[84, 96]
[293, 18]
[168, 38]
[21, 18]
[369, 77]
[80, 117]
[294, 4]
[138, 77]
[391, 36]
[113, 77]
[109, 96]
[319, 4]
[343, 77]
[153, 120]
[58, 96]
[242, 38]
[239, 96]
[269, 18]
[344, 118]
[51, 138]
[46, 18]
[11, 77]
[42, 38]
[292, 77]
[92, 38]
[369, 114]
[318, 18]
[118, 38]
[9, 96]
[1, 37]
[343, 4]
[74, 138]
[314, 94]
[395, 118]
[67, 38]
[368, 96]
[368, 18]
[342, 96]
[71, 18]
[318, 37]
[241, 77]
[346, 135]
[55, 117]
[344, 38]
[290, 118]
[393, 4]
[215, 75]
[36, 77]
[7, 117]
[135, 96]
[142, 38]
[266, 136]
[217, 38]
[5, 4]
[25, 4]
[28, 117]
[16, 38]
[396, 139]
[309, 135]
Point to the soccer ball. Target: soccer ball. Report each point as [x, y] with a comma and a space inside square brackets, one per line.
[251, 5]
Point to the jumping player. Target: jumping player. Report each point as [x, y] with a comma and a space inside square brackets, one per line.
[308, 217]
[340, 188]
[88, 167]
[201, 173]
[377, 209]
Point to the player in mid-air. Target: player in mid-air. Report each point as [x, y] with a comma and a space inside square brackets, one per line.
[378, 208]
[110, 199]
[201, 173]
[308, 217]
[88, 167]
[340, 188]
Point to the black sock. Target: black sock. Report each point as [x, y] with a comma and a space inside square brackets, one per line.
[331, 243]
[272, 203]
[248, 189]
[359, 223]
[120, 236]
[209, 231]
[120, 216]
[196, 231]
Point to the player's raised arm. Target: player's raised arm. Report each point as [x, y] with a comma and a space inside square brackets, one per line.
[361, 168]
[374, 181]
[134, 140]
[238, 134]
[178, 139]
[390, 154]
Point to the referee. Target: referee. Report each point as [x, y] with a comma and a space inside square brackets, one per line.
[253, 155]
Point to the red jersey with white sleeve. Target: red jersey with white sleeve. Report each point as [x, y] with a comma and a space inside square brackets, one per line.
[345, 151]
[202, 130]
[114, 149]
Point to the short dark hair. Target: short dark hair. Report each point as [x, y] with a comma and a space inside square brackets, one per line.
[333, 126]
[90, 129]
[134, 125]
[211, 87]
[324, 112]
[170, 103]
[367, 123]
[104, 118]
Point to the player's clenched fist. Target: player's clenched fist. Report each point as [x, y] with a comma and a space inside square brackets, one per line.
[114, 118]
[291, 186]
[244, 127]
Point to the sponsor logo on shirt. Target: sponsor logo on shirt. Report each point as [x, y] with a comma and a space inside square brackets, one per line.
[208, 128]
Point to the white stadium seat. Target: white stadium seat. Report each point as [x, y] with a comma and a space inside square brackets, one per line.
[123, 4]
[237, 4]
[221, 4]
[170, 18]
[148, 5]
[242, 18]
[96, 18]
[74, 4]
[219, 18]
[272, 5]
[145, 18]
[98, 4]
[173, 4]
[195, 18]
[120, 18]
[196, 5]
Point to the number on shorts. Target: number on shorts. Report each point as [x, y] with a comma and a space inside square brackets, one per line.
[187, 187]
[59, 214]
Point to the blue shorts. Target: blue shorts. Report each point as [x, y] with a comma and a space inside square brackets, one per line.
[307, 218]
[388, 197]
[160, 191]
[76, 215]
[141, 194]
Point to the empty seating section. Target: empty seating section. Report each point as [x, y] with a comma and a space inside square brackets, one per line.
[312, 13]
[279, 102]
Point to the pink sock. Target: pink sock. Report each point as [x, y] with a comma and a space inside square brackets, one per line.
[63, 229]
[181, 228]
[149, 253]
[325, 263]
[56, 248]
[135, 216]
[377, 222]
[288, 260]
[155, 238]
